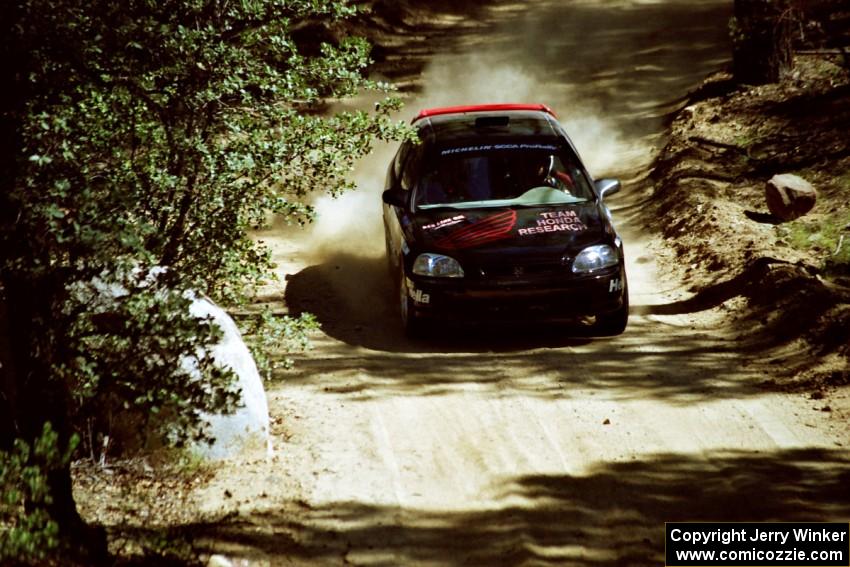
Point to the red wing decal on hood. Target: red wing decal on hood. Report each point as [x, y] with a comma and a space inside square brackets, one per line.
[489, 229]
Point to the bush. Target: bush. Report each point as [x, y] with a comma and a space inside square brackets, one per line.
[827, 240]
[144, 134]
[27, 532]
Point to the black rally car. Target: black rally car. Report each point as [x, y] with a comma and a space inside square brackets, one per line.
[494, 216]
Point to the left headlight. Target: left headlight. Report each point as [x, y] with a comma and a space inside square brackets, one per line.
[595, 258]
[437, 266]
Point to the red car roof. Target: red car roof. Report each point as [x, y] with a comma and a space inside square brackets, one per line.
[481, 108]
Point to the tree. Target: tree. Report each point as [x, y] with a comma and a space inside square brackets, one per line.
[142, 135]
[761, 32]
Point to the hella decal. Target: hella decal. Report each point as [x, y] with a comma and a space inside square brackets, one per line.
[616, 284]
[418, 296]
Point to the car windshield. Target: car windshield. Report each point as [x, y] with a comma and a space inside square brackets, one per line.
[498, 176]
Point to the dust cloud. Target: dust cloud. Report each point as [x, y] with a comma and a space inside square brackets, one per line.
[352, 224]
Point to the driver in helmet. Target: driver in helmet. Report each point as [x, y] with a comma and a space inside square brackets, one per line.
[548, 171]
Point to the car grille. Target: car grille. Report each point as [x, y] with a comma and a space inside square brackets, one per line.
[521, 270]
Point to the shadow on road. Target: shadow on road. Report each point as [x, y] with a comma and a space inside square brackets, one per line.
[354, 301]
[613, 516]
[647, 362]
[371, 358]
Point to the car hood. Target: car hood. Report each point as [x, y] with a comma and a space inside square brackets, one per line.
[529, 230]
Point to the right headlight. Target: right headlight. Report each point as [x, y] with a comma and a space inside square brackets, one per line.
[437, 266]
[595, 258]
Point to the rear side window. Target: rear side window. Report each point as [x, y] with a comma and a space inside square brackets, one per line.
[411, 166]
[400, 157]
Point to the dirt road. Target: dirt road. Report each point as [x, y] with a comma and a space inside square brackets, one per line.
[523, 445]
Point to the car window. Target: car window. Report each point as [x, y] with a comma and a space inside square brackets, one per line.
[411, 167]
[392, 172]
[498, 177]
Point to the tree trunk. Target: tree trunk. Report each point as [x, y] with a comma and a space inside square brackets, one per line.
[762, 40]
[33, 395]
[10, 106]
[30, 393]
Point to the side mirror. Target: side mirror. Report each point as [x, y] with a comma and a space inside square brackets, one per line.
[397, 197]
[607, 187]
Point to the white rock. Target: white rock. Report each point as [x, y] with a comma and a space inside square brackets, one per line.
[249, 425]
[219, 561]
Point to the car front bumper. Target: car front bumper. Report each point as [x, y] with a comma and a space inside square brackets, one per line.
[556, 298]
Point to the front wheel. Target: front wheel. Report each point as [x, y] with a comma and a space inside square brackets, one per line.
[412, 324]
[614, 323]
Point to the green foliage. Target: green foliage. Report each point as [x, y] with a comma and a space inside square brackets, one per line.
[827, 240]
[137, 358]
[158, 133]
[27, 532]
[266, 333]
[186, 122]
[736, 33]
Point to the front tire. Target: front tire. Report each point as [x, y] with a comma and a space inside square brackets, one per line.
[412, 325]
[614, 323]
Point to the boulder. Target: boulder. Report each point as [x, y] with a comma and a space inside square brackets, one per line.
[789, 196]
[248, 427]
